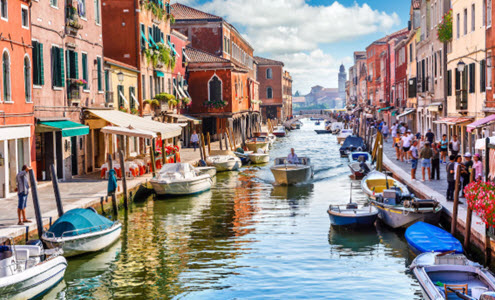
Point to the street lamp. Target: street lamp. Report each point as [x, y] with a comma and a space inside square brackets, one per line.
[120, 76]
[460, 66]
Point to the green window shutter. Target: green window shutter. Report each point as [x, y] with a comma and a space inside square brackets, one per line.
[41, 68]
[120, 90]
[84, 60]
[100, 86]
[61, 75]
[76, 65]
[35, 63]
[131, 100]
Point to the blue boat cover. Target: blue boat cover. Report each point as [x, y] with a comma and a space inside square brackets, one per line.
[355, 155]
[424, 237]
[353, 141]
[79, 221]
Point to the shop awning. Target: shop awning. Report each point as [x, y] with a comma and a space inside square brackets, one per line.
[67, 127]
[435, 107]
[129, 131]
[159, 74]
[126, 120]
[385, 109]
[481, 123]
[395, 112]
[453, 120]
[181, 92]
[407, 112]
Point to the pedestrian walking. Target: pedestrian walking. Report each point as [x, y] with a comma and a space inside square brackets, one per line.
[22, 183]
[430, 136]
[455, 146]
[406, 145]
[397, 145]
[385, 131]
[468, 168]
[450, 168]
[394, 129]
[194, 140]
[443, 149]
[477, 167]
[435, 162]
[403, 129]
[413, 152]
[426, 155]
[462, 169]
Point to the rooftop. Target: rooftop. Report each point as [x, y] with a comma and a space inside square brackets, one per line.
[267, 62]
[183, 12]
[199, 56]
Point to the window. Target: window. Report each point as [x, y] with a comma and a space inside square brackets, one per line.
[143, 84]
[269, 93]
[27, 79]
[58, 76]
[435, 64]
[143, 36]
[108, 95]
[81, 8]
[483, 75]
[151, 87]
[465, 21]
[6, 76]
[169, 86]
[457, 80]
[98, 74]
[120, 96]
[472, 78]
[473, 17]
[440, 62]
[483, 11]
[54, 3]
[458, 26]
[449, 83]
[72, 65]
[84, 61]
[38, 69]
[411, 52]
[132, 98]
[25, 17]
[489, 15]
[4, 11]
[269, 73]
[97, 12]
[215, 89]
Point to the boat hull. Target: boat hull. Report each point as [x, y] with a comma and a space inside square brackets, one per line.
[85, 243]
[228, 166]
[256, 146]
[343, 220]
[259, 158]
[35, 281]
[212, 171]
[279, 133]
[291, 175]
[322, 131]
[401, 218]
[182, 187]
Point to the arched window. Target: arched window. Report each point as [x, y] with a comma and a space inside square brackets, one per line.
[215, 89]
[269, 74]
[27, 79]
[6, 76]
[269, 93]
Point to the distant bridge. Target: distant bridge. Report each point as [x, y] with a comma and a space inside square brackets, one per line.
[325, 117]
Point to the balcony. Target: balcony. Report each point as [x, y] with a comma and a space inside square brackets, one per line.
[73, 92]
[72, 22]
[461, 99]
[108, 97]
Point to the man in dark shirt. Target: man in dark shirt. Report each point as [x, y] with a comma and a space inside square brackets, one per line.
[466, 176]
[451, 178]
[430, 136]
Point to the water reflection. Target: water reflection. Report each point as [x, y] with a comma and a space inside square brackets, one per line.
[353, 242]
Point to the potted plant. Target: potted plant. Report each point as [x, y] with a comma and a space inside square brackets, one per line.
[444, 32]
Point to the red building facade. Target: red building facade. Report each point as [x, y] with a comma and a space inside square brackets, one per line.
[16, 99]
[270, 76]
[400, 85]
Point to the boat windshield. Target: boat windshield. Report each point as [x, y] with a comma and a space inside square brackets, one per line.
[5, 248]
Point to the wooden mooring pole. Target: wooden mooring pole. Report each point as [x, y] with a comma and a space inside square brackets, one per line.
[36, 203]
[469, 217]
[124, 180]
[456, 200]
[209, 143]
[56, 191]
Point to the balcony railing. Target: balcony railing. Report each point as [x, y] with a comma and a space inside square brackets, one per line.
[461, 102]
[72, 22]
[109, 97]
[73, 92]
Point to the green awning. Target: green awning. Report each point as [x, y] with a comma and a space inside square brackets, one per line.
[384, 109]
[159, 74]
[395, 112]
[68, 128]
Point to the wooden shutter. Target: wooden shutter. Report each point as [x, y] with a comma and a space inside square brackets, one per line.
[41, 68]
[449, 83]
[472, 78]
[483, 75]
[84, 60]
[131, 100]
[457, 80]
[61, 66]
[98, 61]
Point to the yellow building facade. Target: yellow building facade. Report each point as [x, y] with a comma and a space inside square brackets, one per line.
[121, 84]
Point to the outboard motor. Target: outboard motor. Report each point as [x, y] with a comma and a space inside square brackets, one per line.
[351, 206]
[391, 197]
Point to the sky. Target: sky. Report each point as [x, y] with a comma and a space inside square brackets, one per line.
[311, 37]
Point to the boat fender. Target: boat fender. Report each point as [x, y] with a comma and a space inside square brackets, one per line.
[92, 209]
[202, 163]
[359, 149]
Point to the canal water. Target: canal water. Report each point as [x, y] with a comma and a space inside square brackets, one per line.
[249, 239]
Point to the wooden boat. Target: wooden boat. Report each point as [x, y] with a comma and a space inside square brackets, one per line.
[28, 271]
[352, 216]
[357, 171]
[351, 144]
[452, 276]
[423, 237]
[397, 206]
[212, 171]
[343, 134]
[180, 179]
[279, 131]
[257, 143]
[223, 161]
[80, 231]
[286, 173]
[320, 131]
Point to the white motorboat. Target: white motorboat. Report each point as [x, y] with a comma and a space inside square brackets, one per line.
[224, 161]
[269, 136]
[180, 179]
[279, 131]
[287, 173]
[28, 271]
[343, 134]
[212, 171]
[258, 158]
[257, 143]
[452, 276]
[80, 231]
[336, 127]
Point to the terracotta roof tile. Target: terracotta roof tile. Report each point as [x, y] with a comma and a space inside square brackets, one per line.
[183, 12]
[265, 61]
[199, 56]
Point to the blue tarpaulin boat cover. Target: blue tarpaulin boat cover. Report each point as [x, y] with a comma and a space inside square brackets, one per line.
[79, 221]
[353, 141]
[424, 237]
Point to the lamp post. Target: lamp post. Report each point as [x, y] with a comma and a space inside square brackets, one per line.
[120, 77]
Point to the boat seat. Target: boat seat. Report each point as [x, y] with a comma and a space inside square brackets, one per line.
[21, 254]
[33, 250]
[463, 288]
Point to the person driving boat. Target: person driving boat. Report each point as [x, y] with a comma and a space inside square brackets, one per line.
[292, 158]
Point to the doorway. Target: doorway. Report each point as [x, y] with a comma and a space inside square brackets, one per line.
[73, 154]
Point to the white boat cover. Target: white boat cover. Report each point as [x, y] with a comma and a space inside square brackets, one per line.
[176, 172]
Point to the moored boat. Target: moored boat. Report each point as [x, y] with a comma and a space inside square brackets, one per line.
[224, 161]
[352, 215]
[257, 143]
[82, 230]
[322, 131]
[354, 156]
[357, 171]
[212, 171]
[180, 179]
[423, 237]
[397, 206]
[28, 271]
[452, 276]
[258, 158]
[336, 127]
[343, 134]
[279, 131]
[286, 173]
[352, 143]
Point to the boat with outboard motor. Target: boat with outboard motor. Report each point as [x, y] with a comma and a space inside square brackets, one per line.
[449, 275]
[397, 206]
[351, 144]
[180, 179]
[256, 143]
[224, 160]
[82, 230]
[292, 173]
[29, 271]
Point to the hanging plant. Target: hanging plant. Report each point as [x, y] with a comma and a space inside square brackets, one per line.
[164, 97]
[186, 101]
[215, 104]
[480, 196]
[134, 111]
[444, 32]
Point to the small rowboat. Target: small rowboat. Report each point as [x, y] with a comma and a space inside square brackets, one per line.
[423, 237]
[447, 275]
[352, 216]
[320, 131]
